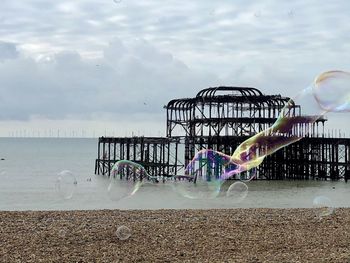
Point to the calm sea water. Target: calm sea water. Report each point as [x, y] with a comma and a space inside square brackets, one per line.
[31, 165]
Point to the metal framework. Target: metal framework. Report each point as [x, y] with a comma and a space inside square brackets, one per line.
[220, 118]
[158, 155]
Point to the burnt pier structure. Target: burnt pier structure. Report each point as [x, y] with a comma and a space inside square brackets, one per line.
[220, 119]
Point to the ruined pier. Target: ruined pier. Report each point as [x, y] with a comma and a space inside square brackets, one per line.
[220, 119]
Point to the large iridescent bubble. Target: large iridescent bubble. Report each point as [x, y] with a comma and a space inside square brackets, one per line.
[329, 92]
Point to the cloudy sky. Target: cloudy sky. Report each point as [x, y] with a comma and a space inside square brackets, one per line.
[95, 67]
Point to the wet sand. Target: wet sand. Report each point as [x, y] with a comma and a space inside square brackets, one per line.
[234, 235]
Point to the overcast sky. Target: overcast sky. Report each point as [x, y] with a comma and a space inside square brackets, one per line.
[109, 66]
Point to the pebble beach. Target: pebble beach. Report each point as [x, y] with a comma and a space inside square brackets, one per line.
[216, 235]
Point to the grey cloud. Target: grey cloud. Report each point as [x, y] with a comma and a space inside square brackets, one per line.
[8, 51]
[138, 80]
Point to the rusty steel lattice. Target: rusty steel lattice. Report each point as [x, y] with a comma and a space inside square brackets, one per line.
[220, 118]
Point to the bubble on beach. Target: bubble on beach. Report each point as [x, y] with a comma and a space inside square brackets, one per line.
[323, 206]
[66, 184]
[123, 233]
[237, 192]
[126, 179]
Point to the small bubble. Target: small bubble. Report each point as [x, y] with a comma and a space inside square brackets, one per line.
[237, 192]
[323, 206]
[331, 91]
[123, 233]
[65, 184]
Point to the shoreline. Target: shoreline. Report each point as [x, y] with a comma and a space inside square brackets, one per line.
[214, 235]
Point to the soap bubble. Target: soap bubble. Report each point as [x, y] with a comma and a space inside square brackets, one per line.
[202, 188]
[123, 233]
[237, 192]
[65, 184]
[202, 176]
[323, 206]
[331, 90]
[119, 188]
[126, 179]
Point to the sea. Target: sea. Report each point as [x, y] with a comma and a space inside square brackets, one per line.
[30, 168]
